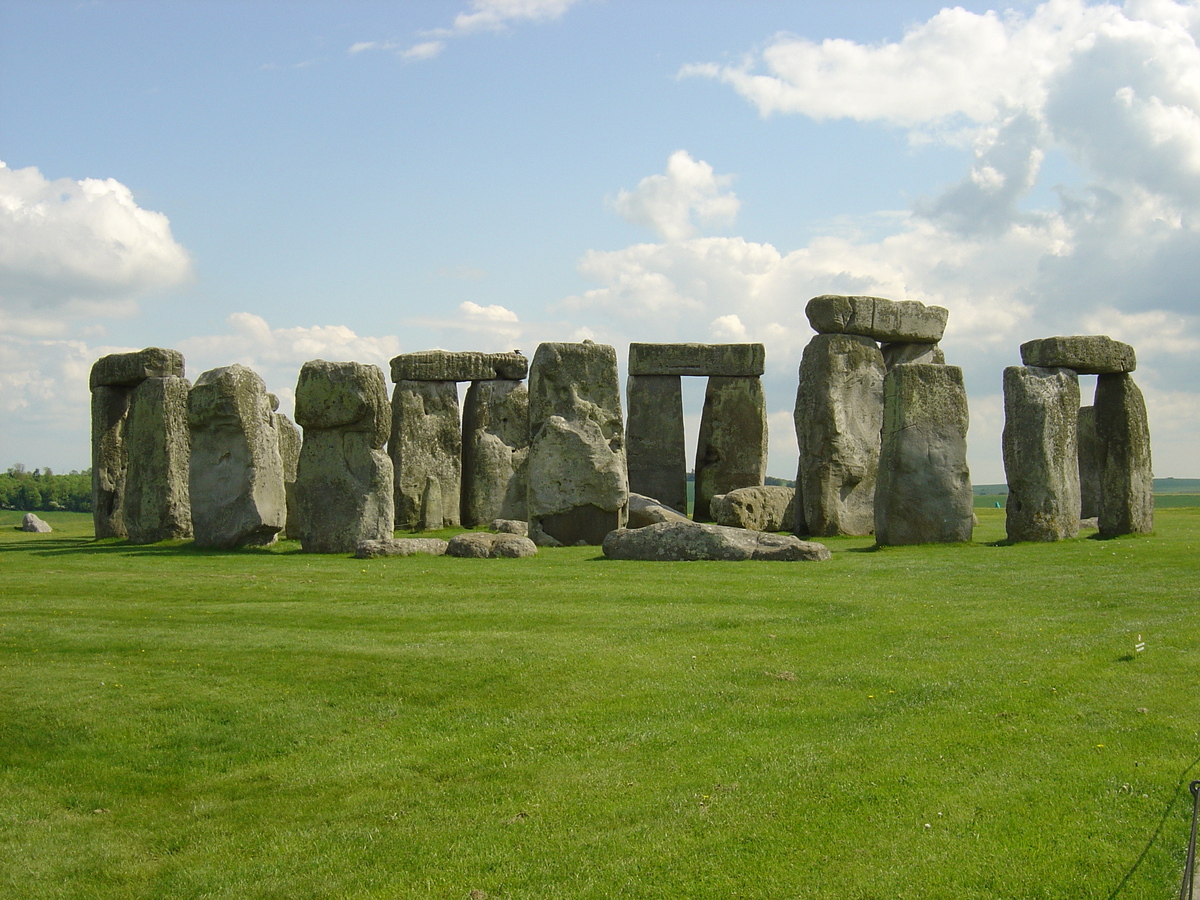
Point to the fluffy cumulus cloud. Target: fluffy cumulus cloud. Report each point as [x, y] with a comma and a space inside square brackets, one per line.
[71, 248]
[668, 203]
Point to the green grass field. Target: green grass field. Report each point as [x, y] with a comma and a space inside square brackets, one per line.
[926, 722]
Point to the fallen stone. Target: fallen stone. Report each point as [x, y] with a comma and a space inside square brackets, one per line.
[236, 479]
[35, 525]
[906, 321]
[731, 451]
[766, 507]
[655, 446]
[645, 511]
[400, 547]
[1041, 457]
[489, 545]
[425, 444]
[1087, 354]
[1091, 523]
[445, 365]
[899, 354]
[838, 416]
[1089, 463]
[131, 369]
[686, 541]
[509, 526]
[156, 505]
[1126, 478]
[923, 492]
[731, 360]
[495, 450]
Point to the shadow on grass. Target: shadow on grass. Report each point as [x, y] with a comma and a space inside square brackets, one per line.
[92, 547]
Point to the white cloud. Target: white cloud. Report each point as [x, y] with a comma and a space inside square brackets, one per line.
[78, 248]
[424, 50]
[668, 202]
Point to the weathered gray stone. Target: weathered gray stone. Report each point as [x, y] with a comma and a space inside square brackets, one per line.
[731, 360]
[645, 511]
[766, 507]
[426, 443]
[899, 354]
[509, 526]
[236, 478]
[578, 486]
[344, 480]
[445, 365]
[110, 409]
[1126, 479]
[131, 369]
[687, 541]
[34, 524]
[289, 454]
[923, 492]
[432, 515]
[490, 545]
[1041, 457]
[906, 321]
[838, 415]
[495, 451]
[1089, 463]
[1087, 354]
[654, 437]
[400, 547]
[731, 452]
[156, 504]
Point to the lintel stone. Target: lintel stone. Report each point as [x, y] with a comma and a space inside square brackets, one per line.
[1087, 354]
[130, 369]
[728, 360]
[445, 365]
[876, 317]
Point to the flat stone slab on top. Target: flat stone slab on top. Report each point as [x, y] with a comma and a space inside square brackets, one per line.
[445, 365]
[129, 369]
[908, 321]
[1086, 354]
[730, 360]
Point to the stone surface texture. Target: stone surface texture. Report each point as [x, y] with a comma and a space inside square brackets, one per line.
[445, 365]
[655, 444]
[1126, 477]
[131, 369]
[733, 360]
[578, 486]
[906, 321]
[645, 511]
[290, 443]
[1089, 463]
[1087, 354]
[34, 524]
[923, 492]
[838, 416]
[495, 452]
[509, 526]
[110, 409]
[899, 354]
[766, 507]
[688, 541]
[1041, 456]
[236, 478]
[156, 505]
[374, 549]
[344, 479]
[490, 545]
[731, 451]
[425, 445]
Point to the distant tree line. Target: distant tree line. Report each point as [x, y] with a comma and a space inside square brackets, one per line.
[41, 489]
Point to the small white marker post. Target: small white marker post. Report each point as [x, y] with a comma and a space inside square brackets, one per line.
[1140, 645]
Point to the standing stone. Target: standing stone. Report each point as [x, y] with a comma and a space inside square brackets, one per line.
[1089, 463]
[578, 485]
[495, 452]
[157, 447]
[657, 453]
[344, 479]
[1041, 456]
[900, 353]
[839, 412]
[289, 454]
[923, 492]
[731, 452]
[426, 442]
[1126, 479]
[236, 476]
[432, 515]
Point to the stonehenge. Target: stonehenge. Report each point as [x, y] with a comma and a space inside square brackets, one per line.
[1064, 462]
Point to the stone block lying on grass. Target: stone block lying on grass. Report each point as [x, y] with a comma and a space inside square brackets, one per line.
[767, 507]
[687, 541]
[490, 545]
[645, 511]
[510, 526]
[35, 525]
[400, 547]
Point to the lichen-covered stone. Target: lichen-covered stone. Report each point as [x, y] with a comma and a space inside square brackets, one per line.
[400, 547]
[236, 478]
[838, 416]
[1126, 477]
[110, 409]
[495, 452]
[923, 492]
[731, 451]
[509, 526]
[346, 395]
[426, 443]
[1041, 457]
[690, 541]
[290, 443]
[655, 446]
[1087, 354]
[156, 504]
[899, 354]
[490, 545]
[732, 360]
[907, 321]
[446, 365]
[1089, 463]
[578, 485]
[131, 369]
[645, 511]
[765, 507]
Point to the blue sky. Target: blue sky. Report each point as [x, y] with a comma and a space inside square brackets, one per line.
[268, 183]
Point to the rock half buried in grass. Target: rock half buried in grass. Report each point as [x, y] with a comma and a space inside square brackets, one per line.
[35, 525]
[687, 541]
[490, 545]
[400, 547]
[645, 511]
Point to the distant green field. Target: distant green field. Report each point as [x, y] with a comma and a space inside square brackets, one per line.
[970, 721]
